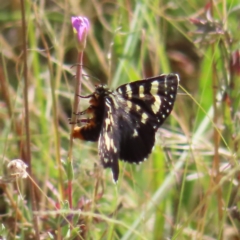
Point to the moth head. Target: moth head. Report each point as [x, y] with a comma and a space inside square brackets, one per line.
[101, 91]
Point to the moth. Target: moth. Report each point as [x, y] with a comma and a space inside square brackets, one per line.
[124, 121]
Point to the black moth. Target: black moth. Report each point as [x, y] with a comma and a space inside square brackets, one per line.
[124, 121]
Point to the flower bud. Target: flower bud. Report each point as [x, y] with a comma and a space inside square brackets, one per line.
[81, 27]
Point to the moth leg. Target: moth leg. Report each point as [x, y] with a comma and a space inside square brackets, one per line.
[80, 113]
[90, 109]
[83, 120]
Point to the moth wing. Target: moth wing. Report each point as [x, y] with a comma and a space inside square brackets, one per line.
[108, 143]
[145, 105]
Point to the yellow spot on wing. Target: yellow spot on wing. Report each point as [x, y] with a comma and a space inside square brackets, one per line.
[141, 92]
[154, 87]
[107, 141]
[129, 91]
[129, 104]
[156, 105]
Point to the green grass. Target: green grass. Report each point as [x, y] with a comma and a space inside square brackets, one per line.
[188, 188]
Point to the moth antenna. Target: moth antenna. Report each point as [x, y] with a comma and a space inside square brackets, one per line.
[87, 96]
[89, 76]
[86, 75]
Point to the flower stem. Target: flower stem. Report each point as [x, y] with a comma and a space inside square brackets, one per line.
[74, 119]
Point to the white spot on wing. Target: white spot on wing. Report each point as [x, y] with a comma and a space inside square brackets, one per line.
[165, 81]
[144, 118]
[120, 91]
[107, 141]
[137, 108]
[107, 122]
[141, 92]
[129, 104]
[135, 133]
[112, 144]
[111, 118]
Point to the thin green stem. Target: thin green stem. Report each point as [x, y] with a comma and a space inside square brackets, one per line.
[27, 130]
[55, 112]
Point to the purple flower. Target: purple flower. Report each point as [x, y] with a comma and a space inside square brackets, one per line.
[81, 27]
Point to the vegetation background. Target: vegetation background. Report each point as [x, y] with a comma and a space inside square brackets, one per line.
[188, 188]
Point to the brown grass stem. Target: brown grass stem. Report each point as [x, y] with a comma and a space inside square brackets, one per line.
[74, 118]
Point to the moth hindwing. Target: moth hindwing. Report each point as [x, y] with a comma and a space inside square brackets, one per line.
[124, 121]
